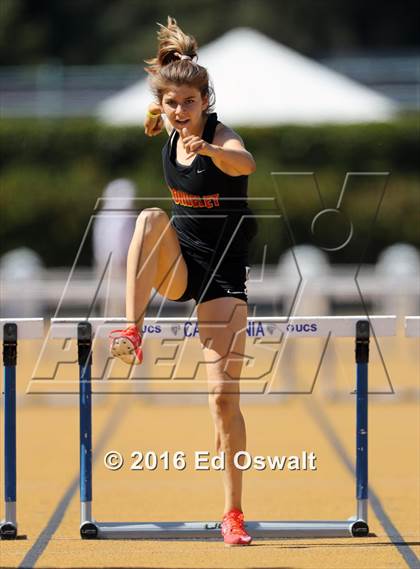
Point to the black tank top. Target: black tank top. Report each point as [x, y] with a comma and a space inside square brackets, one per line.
[208, 206]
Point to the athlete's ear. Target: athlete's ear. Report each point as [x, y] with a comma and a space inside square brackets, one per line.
[204, 103]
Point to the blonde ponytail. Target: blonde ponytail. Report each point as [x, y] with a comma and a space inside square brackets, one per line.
[173, 43]
[175, 63]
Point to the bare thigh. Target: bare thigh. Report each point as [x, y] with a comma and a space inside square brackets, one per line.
[172, 273]
[222, 327]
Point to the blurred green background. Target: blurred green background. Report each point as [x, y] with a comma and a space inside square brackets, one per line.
[53, 168]
[76, 32]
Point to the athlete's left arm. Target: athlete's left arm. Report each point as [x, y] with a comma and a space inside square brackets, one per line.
[229, 154]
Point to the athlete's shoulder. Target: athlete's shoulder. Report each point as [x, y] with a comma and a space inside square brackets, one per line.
[224, 133]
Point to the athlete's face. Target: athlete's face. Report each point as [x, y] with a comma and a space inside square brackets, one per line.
[184, 107]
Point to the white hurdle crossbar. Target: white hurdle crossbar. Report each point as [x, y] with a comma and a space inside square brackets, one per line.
[11, 331]
[357, 327]
[173, 328]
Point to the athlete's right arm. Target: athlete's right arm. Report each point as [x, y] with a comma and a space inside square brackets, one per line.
[153, 125]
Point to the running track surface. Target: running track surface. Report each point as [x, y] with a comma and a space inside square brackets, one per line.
[48, 501]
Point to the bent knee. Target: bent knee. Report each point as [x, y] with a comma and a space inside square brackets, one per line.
[153, 217]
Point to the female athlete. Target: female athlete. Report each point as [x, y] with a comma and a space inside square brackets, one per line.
[201, 253]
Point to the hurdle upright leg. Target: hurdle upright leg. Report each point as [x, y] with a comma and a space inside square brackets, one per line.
[88, 529]
[10, 331]
[8, 527]
[361, 527]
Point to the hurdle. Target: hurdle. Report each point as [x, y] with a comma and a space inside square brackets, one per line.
[12, 330]
[412, 326]
[357, 327]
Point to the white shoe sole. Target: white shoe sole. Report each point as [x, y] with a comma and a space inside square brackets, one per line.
[123, 349]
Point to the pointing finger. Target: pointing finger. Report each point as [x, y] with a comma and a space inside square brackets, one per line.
[184, 132]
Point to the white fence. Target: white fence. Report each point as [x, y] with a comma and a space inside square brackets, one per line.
[57, 292]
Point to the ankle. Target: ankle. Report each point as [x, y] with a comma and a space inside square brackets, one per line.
[233, 510]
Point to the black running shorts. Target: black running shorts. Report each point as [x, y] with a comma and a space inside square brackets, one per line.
[208, 280]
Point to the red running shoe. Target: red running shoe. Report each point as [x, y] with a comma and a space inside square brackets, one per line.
[233, 531]
[125, 345]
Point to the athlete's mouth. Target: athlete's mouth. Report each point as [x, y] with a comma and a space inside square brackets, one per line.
[183, 121]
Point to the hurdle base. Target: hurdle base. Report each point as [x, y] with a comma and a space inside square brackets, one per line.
[8, 530]
[89, 530]
[208, 530]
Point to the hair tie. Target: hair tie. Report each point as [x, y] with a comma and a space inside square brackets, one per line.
[181, 56]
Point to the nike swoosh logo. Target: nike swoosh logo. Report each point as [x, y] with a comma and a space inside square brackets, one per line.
[200, 171]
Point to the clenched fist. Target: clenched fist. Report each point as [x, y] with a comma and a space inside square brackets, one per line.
[153, 125]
